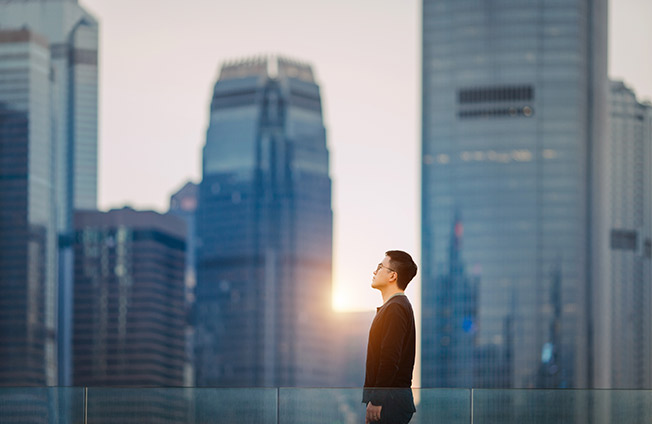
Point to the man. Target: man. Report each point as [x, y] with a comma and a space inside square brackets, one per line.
[391, 346]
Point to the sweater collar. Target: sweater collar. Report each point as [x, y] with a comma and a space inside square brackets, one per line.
[388, 300]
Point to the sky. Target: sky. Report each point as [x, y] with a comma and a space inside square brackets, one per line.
[159, 60]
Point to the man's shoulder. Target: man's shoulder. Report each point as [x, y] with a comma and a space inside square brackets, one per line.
[402, 300]
[398, 303]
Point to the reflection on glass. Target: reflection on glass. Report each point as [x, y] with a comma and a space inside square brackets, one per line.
[41, 405]
[507, 126]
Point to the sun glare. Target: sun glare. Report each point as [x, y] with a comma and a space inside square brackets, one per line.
[340, 301]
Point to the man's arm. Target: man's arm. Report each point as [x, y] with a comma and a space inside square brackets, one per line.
[396, 327]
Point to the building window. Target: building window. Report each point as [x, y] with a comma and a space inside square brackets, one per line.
[510, 93]
[623, 239]
[504, 112]
[505, 101]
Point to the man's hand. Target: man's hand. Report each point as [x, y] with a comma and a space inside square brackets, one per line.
[373, 413]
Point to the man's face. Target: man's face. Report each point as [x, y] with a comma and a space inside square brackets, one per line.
[383, 275]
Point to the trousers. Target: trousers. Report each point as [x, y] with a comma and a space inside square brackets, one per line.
[389, 415]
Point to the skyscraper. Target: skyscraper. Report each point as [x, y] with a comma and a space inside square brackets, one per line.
[28, 233]
[72, 35]
[264, 228]
[512, 135]
[183, 204]
[630, 297]
[130, 313]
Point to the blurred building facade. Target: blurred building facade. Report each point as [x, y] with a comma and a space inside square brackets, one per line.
[28, 233]
[264, 231]
[129, 308]
[629, 177]
[456, 320]
[183, 204]
[351, 334]
[72, 36]
[513, 133]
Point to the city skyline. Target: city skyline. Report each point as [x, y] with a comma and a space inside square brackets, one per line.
[375, 171]
[135, 100]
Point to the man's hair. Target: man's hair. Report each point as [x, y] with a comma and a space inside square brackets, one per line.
[404, 266]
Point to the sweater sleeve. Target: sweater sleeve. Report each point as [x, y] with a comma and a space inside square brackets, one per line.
[396, 327]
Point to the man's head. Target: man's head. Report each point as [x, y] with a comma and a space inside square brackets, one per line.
[396, 268]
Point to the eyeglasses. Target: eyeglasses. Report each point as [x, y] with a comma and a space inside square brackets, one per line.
[383, 266]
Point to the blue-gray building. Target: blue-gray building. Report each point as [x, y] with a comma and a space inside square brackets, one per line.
[72, 36]
[183, 204]
[627, 270]
[130, 316]
[28, 233]
[129, 312]
[264, 231]
[513, 132]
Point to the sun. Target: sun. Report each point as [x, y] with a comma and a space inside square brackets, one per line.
[341, 302]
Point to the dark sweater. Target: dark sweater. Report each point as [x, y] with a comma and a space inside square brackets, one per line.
[390, 351]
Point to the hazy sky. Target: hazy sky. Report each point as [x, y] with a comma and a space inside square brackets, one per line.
[159, 60]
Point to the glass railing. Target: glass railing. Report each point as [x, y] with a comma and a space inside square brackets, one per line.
[316, 405]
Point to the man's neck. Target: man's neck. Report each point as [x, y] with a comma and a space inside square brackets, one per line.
[387, 294]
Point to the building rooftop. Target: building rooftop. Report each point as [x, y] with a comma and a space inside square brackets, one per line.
[272, 66]
[131, 218]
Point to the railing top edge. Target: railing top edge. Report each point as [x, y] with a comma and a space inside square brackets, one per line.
[524, 389]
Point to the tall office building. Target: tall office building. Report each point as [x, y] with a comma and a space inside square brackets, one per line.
[628, 270]
[72, 36]
[129, 304]
[28, 233]
[513, 132]
[647, 210]
[264, 228]
[183, 204]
